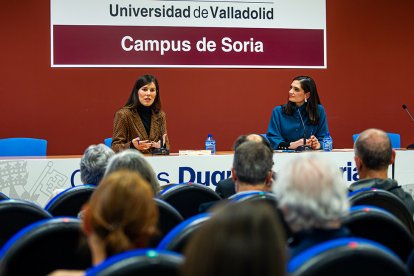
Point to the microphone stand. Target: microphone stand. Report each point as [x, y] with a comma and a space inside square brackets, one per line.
[410, 146]
[163, 147]
[303, 147]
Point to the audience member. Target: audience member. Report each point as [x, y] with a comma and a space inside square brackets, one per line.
[373, 155]
[141, 123]
[252, 167]
[226, 187]
[134, 161]
[121, 215]
[242, 239]
[93, 163]
[312, 196]
[304, 106]
[92, 166]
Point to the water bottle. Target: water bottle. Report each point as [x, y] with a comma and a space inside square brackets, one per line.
[327, 142]
[211, 144]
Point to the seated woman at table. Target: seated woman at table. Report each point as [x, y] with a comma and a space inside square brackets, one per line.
[141, 124]
[285, 130]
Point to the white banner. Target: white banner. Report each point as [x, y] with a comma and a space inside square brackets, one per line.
[35, 179]
[149, 33]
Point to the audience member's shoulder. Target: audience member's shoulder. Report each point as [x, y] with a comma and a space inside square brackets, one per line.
[226, 181]
[362, 183]
[225, 188]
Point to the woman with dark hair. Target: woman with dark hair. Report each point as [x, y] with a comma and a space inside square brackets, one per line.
[243, 239]
[285, 129]
[141, 124]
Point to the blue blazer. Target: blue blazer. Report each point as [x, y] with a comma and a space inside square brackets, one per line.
[288, 128]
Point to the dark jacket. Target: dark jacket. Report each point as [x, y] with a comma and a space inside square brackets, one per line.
[388, 184]
[304, 240]
[226, 188]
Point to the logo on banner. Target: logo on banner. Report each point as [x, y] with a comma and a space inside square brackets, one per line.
[14, 181]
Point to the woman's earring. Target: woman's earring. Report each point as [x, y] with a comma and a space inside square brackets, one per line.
[306, 100]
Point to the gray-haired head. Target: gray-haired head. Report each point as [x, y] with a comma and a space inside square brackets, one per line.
[135, 161]
[252, 162]
[373, 147]
[93, 163]
[311, 193]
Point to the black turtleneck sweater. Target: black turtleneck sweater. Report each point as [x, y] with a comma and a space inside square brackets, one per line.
[145, 113]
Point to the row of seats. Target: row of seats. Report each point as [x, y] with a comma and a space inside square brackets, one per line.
[38, 147]
[55, 240]
[177, 203]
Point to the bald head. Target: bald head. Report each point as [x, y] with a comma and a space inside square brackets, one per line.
[255, 138]
[373, 147]
[251, 137]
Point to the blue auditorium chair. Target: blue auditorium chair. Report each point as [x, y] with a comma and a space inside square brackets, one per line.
[187, 198]
[265, 197]
[70, 201]
[347, 256]
[168, 218]
[23, 147]
[385, 200]
[45, 246]
[178, 237]
[143, 262]
[254, 196]
[395, 139]
[3, 196]
[17, 214]
[108, 142]
[376, 224]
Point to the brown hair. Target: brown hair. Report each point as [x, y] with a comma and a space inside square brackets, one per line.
[122, 212]
[246, 237]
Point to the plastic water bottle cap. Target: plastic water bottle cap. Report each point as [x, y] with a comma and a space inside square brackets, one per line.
[210, 135]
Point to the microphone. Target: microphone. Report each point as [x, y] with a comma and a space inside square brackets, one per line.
[408, 112]
[163, 147]
[303, 147]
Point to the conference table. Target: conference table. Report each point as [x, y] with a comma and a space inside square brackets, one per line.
[36, 178]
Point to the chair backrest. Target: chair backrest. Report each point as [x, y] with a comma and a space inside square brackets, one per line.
[44, 247]
[254, 196]
[187, 198]
[177, 238]
[70, 201]
[265, 197]
[167, 220]
[347, 256]
[385, 200]
[395, 139]
[23, 147]
[16, 215]
[143, 262]
[378, 225]
[108, 142]
[3, 196]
